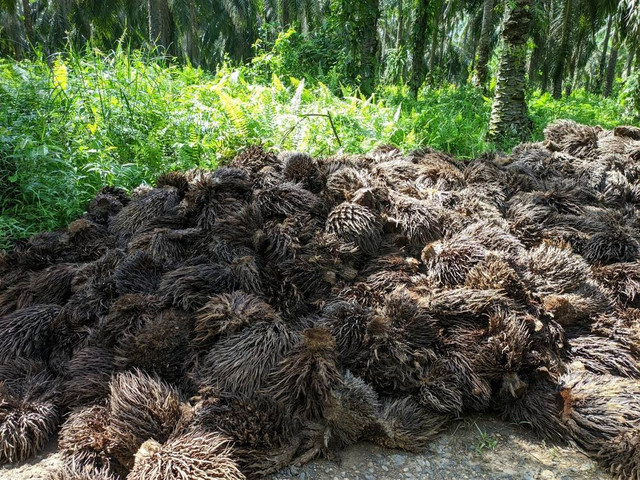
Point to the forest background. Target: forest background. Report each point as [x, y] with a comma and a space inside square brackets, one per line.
[115, 92]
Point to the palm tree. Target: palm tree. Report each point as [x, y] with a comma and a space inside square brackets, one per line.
[611, 65]
[509, 111]
[438, 8]
[161, 25]
[483, 43]
[632, 15]
[11, 39]
[356, 24]
[28, 22]
[563, 49]
[632, 24]
[418, 44]
[400, 22]
[370, 45]
[540, 34]
[603, 55]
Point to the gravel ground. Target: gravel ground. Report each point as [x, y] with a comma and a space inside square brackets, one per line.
[472, 448]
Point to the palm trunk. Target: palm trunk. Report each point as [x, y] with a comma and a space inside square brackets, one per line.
[509, 110]
[441, 47]
[399, 31]
[444, 39]
[382, 50]
[285, 15]
[568, 85]
[603, 55]
[474, 49]
[611, 66]
[432, 53]
[370, 46]
[191, 41]
[483, 44]
[572, 69]
[537, 56]
[11, 29]
[563, 51]
[546, 77]
[160, 23]
[630, 54]
[28, 22]
[465, 47]
[544, 54]
[60, 25]
[304, 22]
[418, 45]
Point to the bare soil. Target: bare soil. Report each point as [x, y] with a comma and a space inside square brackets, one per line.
[471, 448]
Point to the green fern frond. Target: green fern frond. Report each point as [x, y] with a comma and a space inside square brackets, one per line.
[233, 111]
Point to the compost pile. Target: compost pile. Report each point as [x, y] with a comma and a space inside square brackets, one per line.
[226, 324]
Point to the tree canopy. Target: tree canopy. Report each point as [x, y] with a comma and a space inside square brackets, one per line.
[572, 43]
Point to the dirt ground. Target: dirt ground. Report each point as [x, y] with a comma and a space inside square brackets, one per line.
[472, 448]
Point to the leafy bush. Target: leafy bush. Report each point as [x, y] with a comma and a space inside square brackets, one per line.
[631, 96]
[121, 118]
[315, 58]
[581, 106]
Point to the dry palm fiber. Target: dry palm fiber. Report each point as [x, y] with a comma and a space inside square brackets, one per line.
[138, 273]
[27, 332]
[537, 407]
[84, 442]
[297, 305]
[266, 343]
[87, 376]
[29, 414]
[347, 321]
[226, 314]
[352, 410]
[417, 220]
[448, 262]
[142, 209]
[601, 415]
[622, 455]
[611, 247]
[495, 273]
[588, 301]
[52, 286]
[160, 345]
[87, 240]
[622, 280]
[196, 455]
[78, 472]
[304, 378]
[357, 224]
[258, 427]
[406, 424]
[604, 356]
[141, 407]
[387, 360]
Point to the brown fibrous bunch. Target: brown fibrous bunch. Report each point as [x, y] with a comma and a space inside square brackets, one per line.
[231, 323]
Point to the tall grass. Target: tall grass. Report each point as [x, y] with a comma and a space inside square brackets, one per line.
[87, 119]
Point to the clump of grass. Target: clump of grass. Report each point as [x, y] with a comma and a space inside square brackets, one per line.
[485, 441]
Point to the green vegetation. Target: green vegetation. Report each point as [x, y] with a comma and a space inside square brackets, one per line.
[199, 80]
[485, 441]
[121, 118]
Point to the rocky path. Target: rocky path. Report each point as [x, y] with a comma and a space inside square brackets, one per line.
[472, 448]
